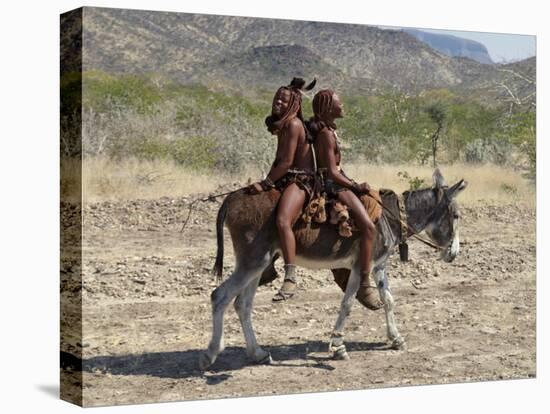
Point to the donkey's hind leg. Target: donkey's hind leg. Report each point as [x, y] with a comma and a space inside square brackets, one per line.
[246, 272]
[243, 307]
[220, 298]
[381, 280]
[336, 345]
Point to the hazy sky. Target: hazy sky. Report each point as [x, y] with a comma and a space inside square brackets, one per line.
[501, 47]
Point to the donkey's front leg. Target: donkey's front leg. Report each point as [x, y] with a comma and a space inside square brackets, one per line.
[336, 344]
[381, 280]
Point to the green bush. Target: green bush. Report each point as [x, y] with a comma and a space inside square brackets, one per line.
[198, 153]
[105, 92]
[529, 148]
[521, 130]
[415, 183]
[151, 150]
[152, 117]
[474, 152]
[496, 151]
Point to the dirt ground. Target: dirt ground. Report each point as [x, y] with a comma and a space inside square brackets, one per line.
[147, 315]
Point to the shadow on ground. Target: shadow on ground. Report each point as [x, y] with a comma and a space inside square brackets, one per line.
[184, 364]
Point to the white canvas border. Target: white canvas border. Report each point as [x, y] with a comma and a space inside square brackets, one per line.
[29, 208]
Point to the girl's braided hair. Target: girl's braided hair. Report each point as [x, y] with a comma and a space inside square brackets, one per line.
[322, 106]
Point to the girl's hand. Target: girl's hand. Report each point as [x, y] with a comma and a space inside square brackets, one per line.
[255, 188]
[364, 188]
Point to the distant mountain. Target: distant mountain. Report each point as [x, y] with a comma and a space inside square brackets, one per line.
[453, 45]
[276, 65]
[240, 53]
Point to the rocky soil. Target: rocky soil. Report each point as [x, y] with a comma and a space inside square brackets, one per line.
[146, 311]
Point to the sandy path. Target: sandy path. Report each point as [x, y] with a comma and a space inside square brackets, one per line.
[147, 313]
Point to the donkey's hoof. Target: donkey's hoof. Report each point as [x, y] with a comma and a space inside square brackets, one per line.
[341, 355]
[204, 361]
[399, 344]
[337, 347]
[264, 359]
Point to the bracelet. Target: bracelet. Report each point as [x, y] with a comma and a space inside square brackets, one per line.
[267, 181]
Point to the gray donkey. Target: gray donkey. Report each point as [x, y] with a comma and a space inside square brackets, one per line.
[251, 223]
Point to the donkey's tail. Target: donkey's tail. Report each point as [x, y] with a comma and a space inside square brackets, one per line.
[220, 220]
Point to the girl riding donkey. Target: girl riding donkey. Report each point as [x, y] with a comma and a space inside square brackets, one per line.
[327, 107]
[292, 172]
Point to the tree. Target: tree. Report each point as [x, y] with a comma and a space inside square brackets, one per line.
[438, 114]
[517, 88]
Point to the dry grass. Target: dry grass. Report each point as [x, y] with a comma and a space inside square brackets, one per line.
[487, 184]
[104, 179]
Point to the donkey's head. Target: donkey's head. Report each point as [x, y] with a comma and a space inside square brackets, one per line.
[442, 225]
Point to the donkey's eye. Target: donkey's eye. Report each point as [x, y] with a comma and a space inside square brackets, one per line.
[456, 216]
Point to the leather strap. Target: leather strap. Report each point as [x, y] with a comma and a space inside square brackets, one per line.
[402, 217]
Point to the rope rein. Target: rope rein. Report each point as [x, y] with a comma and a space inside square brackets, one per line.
[405, 228]
[209, 198]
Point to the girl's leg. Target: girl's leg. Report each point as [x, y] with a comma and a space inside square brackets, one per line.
[288, 211]
[367, 293]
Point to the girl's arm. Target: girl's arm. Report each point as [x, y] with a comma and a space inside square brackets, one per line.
[327, 145]
[287, 142]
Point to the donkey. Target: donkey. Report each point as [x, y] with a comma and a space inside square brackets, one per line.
[251, 223]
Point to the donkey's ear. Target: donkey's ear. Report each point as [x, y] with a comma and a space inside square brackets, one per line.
[438, 179]
[457, 188]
